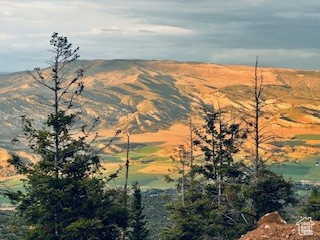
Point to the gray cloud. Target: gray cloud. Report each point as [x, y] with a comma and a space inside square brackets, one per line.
[283, 33]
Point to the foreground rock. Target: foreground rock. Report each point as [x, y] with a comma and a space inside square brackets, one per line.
[273, 227]
[273, 217]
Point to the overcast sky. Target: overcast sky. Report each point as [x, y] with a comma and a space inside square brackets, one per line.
[284, 33]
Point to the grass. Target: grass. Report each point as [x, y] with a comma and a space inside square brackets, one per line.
[291, 143]
[111, 159]
[299, 140]
[134, 175]
[304, 170]
[14, 184]
[160, 182]
[307, 137]
[146, 156]
[143, 157]
[141, 152]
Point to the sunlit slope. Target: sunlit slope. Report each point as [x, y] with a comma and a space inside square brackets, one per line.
[158, 96]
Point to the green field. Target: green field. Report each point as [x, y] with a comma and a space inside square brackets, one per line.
[140, 157]
[299, 140]
[304, 169]
[14, 184]
[307, 137]
[298, 171]
[140, 154]
[146, 155]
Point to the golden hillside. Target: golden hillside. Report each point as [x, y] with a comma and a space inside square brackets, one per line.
[159, 95]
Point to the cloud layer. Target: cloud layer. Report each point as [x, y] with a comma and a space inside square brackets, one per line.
[283, 33]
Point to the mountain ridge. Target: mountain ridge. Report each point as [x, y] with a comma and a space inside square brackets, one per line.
[159, 95]
[136, 76]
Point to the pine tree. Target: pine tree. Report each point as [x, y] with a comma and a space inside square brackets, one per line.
[197, 218]
[64, 196]
[212, 206]
[269, 192]
[219, 140]
[138, 227]
[312, 206]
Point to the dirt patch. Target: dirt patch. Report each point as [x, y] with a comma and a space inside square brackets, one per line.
[278, 230]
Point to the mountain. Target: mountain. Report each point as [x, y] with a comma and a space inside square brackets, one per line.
[159, 95]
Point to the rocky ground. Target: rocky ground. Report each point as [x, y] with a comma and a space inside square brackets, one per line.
[275, 228]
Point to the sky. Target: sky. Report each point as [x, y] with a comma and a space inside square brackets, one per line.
[283, 33]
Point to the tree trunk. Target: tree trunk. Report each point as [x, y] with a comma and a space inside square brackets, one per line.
[220, 157]
[256, 120]
[127, 168]
[183, 183]
[56, 131]
[191, 142]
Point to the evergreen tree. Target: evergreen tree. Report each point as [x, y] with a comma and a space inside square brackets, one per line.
[219, 140]
[312, 205]
[138, 229]
[11, 228]
[267, 193]
[196, 218]
[212, 204]
[64, 196]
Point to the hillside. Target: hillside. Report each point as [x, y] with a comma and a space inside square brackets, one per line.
[158, 96]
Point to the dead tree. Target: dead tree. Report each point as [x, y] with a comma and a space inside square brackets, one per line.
[128, 133]
[191, 141]
[258, 105]
[129, 129]
[180, 156]
[257, 129]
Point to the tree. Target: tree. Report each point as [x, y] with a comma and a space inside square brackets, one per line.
[184, 157]
[266, 191]
[219, 140]
[137, 224]
[11, 228]
[180, 156]
[190, 221]
[128, 132]
[64, 196]
[191, 140]
[270, 192]
[258, 130]
[312, 205]
[258, 90]
[212, 203]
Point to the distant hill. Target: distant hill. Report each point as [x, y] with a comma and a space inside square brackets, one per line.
[158, 96]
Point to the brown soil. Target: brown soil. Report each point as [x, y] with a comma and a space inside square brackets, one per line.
[274, 229]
